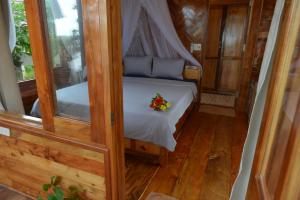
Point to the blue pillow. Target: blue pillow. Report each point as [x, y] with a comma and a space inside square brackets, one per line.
[168, 68]
[138, 66]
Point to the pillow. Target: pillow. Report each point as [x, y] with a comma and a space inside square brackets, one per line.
[138, 66]
[168, 68]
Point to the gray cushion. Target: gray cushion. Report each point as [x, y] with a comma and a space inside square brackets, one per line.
[168, 68]
[138, 66]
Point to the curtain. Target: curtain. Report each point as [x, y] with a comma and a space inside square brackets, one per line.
[164, 38]
[1, 106]
[9, 90]
[9, 21]
[240, 186]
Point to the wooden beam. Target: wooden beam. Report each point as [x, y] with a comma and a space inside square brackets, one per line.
[228, 2]
[41, 61]
[117, 96]
[102, 29]
[255, 16]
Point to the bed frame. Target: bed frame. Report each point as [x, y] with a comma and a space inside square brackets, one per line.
[157, 154]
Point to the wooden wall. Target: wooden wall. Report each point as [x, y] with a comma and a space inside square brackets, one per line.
[263, 31]
[206, 22]
[259, 49]
[28, 159]
[190, 19]
[224, 51]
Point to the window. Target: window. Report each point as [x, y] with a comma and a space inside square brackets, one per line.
[65, 36]
[22, 51]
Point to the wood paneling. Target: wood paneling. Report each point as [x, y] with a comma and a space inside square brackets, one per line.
[254, 19]
[274, 161]
[225, 41]
[11, 195]
[215, 31]
[102, 40]
[101, 24]
[190, 20]
[228, 2]
[230, 75]
[205, 161]
[233, 36]
[40, 56]
[117, 97]
[232, 48]
[213, 48]
[28, 161]
[261, 17]
[210, 73]
[29, 94]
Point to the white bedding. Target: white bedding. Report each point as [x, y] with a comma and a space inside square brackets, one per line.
[140, 121]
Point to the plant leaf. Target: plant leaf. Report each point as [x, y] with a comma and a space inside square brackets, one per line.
[39, 198]
[53, 179]
[52, 197]
[46, 187]
[58, 193]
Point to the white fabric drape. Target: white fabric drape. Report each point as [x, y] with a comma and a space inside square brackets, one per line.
[9, 20]
[241, 184]
[130, 15]
[162, 29]
[1, 106]
[9, 90]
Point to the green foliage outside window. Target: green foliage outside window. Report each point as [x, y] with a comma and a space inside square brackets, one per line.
[22, 44]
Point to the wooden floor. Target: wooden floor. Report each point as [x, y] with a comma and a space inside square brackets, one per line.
[205, 163]
[6, 194]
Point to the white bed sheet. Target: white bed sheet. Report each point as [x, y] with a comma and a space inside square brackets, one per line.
[140, 121]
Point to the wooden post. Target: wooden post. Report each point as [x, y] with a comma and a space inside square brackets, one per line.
[41, 61]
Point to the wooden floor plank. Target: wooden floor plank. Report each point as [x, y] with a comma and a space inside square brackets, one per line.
[165, 179]
[204, 165]
[6, 194]
[190, 179]
[216, 180]
[206, 160]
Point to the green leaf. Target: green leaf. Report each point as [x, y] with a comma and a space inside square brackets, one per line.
[53, 180]
[52, 197]
[39, 198]
[59, 193]
[46, 187]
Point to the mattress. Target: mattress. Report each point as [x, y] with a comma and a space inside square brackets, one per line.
[140, 121]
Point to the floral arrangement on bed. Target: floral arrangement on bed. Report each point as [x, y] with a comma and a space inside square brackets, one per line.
[158, 103]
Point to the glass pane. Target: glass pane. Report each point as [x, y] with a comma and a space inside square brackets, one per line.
[288, 122]
[22, 56]
[65, 35]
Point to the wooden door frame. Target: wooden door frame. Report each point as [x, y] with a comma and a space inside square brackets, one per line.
[247, 61]
[285, 47]
[106, 32]
[102, 38]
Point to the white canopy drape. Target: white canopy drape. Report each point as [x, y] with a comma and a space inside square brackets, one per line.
[164, 36]
[9, 89]
[240, 186]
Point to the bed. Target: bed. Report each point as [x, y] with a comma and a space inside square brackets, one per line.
[146, 130]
